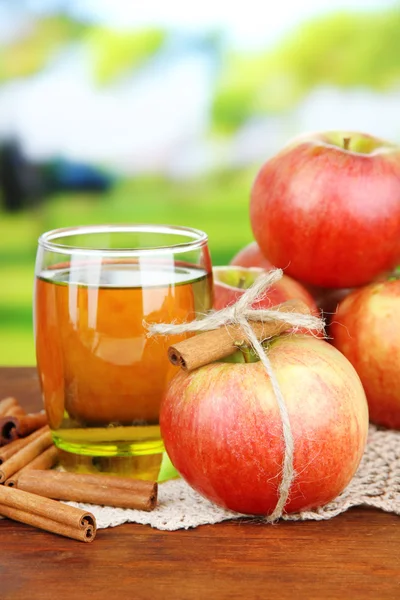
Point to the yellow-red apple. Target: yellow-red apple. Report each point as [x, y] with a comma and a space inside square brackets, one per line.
[366, 329]
[223, 431]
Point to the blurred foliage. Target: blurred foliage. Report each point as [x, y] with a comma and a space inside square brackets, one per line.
[112, 52]
[342, 50]
[115, 52]
[33, 51]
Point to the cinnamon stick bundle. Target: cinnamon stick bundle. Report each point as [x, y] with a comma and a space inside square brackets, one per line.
[213, 345]
[20, 424]
[46, 460]
[25, 455]
[13, 447]
[95, 489]
[47, 514]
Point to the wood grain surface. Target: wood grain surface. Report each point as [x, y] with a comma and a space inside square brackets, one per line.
[355, 555]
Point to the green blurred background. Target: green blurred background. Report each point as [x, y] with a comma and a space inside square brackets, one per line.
[110, 112]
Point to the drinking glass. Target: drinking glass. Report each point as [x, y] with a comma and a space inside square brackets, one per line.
[97, 288]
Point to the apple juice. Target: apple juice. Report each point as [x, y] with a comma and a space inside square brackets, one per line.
[102, 376]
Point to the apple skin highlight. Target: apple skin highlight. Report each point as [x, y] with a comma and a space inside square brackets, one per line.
[223, 431]
[330, 216]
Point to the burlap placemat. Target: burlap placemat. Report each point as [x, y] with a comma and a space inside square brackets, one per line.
[376, 484]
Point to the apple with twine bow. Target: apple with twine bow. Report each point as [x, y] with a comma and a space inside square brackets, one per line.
[327, 209]
[366, 329]
[281, 434]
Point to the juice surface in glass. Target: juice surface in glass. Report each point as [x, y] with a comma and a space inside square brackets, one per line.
[102, 376]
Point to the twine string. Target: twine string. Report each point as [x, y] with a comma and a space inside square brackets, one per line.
[241, 313]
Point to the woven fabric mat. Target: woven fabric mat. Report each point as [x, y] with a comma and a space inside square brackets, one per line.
[376, 484]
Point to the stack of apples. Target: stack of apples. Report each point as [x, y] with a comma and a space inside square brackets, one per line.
[326, 209]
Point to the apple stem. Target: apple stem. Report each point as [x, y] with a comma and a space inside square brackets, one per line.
[246, 354]
[244, 349]
[346, 143]
[241, 283]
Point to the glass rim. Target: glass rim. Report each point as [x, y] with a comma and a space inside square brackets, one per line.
[199, 239]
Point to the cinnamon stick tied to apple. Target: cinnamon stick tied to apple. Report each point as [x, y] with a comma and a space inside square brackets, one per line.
[220, 331]
[220, 343]
[223, 332]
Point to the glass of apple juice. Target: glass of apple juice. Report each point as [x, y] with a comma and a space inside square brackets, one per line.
[97, 288]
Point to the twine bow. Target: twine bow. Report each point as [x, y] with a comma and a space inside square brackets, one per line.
[241, 313]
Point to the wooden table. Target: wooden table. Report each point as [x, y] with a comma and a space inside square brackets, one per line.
[355, 555]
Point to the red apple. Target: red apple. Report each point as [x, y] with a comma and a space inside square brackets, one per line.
[366, 329]
[231, 282]
[327, 209]
[223, 431]
[251, 256]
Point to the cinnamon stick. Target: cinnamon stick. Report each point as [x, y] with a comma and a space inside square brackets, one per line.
[7, 425]
[210, 346]
[24, 456]
[47, 514]
[95, 489]
[45, 460]
[20, 425]
[16, 445]
[113, 481]
[15, 411]
[6, 404]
